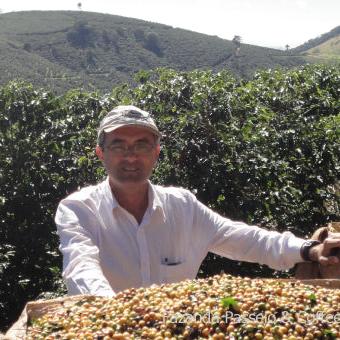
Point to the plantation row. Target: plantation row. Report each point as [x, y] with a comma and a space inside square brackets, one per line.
[264, 151]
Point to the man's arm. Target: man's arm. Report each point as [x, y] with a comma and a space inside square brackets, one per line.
[239, 241]
[81, 266]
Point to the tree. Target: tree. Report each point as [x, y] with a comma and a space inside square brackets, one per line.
[265, 151]
[287, 47]
[152, 43]
[90, 59]
[81, 35]
[28, 47]
[237, 42]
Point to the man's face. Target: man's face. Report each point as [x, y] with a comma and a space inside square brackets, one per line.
[129, 155]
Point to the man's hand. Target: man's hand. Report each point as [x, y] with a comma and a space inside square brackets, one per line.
[324, 252]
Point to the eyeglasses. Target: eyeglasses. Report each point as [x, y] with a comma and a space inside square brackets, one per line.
[120, 149]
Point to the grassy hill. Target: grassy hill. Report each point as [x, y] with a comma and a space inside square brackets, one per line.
[326, 52]
[67, 49]
[315, 42]
[322, 49]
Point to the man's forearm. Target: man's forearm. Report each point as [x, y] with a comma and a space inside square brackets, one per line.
[87, 280]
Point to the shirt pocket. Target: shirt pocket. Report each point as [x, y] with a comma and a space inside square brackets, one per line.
[171, 273]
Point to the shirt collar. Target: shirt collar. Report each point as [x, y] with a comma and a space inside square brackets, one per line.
[154, 199]
[155, 202]
[109, 194]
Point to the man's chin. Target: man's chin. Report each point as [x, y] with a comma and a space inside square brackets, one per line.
[132, 179]
[128, 179]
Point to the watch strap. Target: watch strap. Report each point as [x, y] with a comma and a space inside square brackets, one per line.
[305, 248]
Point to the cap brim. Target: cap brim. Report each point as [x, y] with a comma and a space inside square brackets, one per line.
[113, 128]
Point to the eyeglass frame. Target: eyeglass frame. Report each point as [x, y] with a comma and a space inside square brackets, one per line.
[125, 149]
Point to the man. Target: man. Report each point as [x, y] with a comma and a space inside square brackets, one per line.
[126, 232]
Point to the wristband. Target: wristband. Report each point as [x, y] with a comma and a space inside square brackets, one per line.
[306, 247]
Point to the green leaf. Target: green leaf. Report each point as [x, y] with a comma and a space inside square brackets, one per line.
[328, 333]
[228, 302]
[312, 298]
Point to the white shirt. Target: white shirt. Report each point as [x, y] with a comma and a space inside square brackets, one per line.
[105, 250]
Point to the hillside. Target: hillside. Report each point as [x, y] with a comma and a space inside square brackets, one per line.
[323, 49]
[315, 42]
[67, 49]
[326, 52]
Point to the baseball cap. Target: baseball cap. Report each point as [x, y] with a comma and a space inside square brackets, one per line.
[127, 115]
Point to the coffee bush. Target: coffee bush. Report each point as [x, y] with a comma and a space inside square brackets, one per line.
[265, 151]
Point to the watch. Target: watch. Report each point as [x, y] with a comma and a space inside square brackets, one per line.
[306, 247]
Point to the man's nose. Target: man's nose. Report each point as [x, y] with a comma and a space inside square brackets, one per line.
[130, 152]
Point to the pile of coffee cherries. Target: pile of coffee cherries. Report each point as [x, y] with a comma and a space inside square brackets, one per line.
[219, 307]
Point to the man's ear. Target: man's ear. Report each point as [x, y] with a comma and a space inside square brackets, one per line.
[99, 152]
[158, 149]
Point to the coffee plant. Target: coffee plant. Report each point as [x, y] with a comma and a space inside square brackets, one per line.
[265, 151]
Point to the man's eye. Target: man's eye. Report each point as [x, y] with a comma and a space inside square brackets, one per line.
[139, 148]
[142, 146]
[116, 147]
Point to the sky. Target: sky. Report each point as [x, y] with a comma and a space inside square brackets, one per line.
[270, 23]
